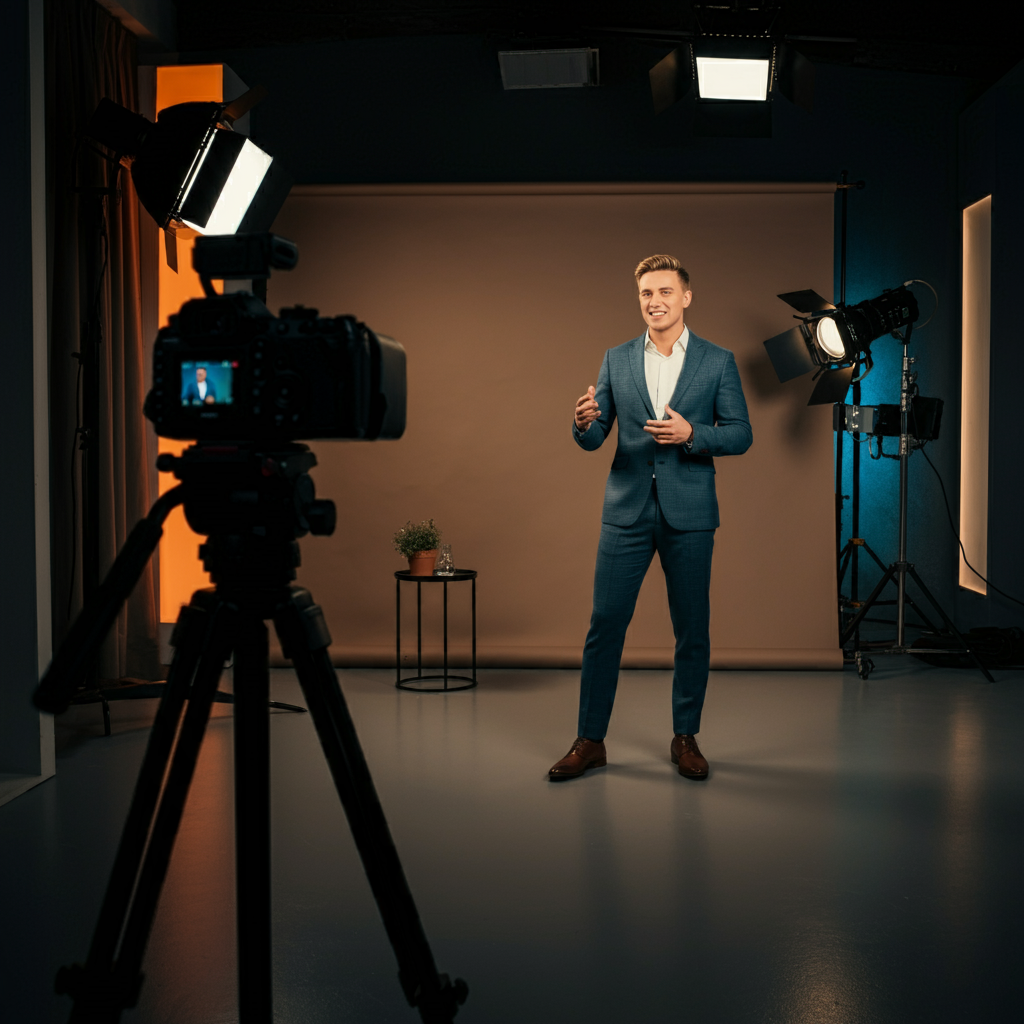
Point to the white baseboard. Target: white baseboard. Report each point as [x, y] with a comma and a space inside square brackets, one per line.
[12, 786]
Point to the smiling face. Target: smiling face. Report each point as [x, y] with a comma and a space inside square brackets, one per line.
[663, 297]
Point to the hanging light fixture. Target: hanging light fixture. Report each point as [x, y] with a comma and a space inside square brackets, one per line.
[738, 63]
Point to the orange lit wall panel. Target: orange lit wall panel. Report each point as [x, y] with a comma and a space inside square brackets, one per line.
[181, 572]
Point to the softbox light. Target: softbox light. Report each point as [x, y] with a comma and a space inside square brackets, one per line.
[191, 171]
[736, 77]
[733, 78]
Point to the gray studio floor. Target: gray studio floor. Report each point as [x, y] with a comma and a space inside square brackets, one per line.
[854, 858]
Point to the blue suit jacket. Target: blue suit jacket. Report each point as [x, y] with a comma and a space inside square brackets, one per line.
[190, 393]
[708, 394]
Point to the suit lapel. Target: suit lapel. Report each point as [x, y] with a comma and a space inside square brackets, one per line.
[636, 363]
[696, 349]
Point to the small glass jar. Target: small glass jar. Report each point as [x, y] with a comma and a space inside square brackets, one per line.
[445, 565]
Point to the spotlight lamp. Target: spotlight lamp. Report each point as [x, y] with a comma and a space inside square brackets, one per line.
[193, 173]
[836, 340]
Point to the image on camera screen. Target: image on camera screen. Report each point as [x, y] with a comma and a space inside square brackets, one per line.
[207, 381]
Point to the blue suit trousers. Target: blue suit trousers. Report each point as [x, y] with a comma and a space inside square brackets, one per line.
[624, 554]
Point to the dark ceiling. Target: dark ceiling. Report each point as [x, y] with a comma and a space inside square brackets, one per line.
[979, 41]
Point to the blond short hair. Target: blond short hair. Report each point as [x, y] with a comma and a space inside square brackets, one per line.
[661, 263]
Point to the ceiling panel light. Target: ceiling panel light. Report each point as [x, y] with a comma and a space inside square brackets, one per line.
[730, 78]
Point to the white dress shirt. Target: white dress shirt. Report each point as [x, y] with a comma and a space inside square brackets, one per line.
[663, 371]
[201, 385]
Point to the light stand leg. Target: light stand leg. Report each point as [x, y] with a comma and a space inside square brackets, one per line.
[949, 625]
[854, 624]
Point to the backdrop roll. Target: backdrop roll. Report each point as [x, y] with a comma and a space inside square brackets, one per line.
[505, 298]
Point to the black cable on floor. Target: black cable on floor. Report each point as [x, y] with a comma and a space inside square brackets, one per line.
[949, 516]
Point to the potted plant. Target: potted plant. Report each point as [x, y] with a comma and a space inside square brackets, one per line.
[418, 542]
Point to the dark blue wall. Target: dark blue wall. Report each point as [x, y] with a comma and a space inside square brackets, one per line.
[991, 158]
[432, 109]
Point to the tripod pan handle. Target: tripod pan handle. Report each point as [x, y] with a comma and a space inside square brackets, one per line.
[75, 654]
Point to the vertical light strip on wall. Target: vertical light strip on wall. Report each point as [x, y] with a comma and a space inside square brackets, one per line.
[977, 303]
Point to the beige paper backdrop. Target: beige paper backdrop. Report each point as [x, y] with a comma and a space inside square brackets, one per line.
[505, 298]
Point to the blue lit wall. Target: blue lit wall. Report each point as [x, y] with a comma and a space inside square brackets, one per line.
[433, 110]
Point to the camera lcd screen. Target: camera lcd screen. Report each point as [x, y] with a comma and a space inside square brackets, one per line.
[206, 382]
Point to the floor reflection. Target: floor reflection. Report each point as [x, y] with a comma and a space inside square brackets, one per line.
[852, 859]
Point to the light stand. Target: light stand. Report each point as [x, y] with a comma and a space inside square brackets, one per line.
[899, 570]
[844, 555]
[172, 183]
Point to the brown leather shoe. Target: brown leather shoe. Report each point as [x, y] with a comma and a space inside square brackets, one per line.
[582, 755]
[686, 754]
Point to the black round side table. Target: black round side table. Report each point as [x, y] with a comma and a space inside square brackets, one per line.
[466, 682]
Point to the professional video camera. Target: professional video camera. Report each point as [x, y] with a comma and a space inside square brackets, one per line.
[245, 385]
[226, 368]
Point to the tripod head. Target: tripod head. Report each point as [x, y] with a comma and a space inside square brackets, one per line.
[252, 501]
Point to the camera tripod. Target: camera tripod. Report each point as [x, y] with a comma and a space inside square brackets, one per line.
[253, 503]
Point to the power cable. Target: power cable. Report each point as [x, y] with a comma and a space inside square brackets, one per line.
[949, 516]
[94, 323]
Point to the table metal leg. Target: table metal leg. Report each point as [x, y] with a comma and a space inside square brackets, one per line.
[445, 585]
[420, 682]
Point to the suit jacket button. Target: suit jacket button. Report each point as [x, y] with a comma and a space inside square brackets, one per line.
[650, 462]
[703, 451]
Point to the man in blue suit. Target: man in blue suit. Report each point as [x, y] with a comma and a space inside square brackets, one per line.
[200, 390]
[679, 403]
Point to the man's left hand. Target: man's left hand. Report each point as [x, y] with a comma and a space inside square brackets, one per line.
[674, 430]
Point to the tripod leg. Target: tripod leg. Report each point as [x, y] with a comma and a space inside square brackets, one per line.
[125, 979]
[949, 625]
[189, 637]
[866, 606]
[252, 823]
[305, 639]
[172, 803]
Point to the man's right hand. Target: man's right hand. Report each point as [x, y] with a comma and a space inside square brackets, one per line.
[587, 410]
